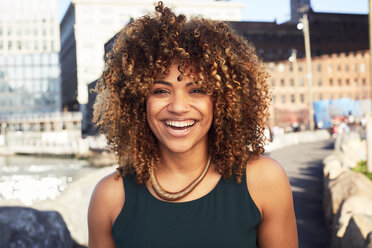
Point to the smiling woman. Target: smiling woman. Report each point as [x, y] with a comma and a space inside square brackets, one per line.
[184, 105]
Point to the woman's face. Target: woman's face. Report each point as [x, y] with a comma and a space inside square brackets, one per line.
[179, 113]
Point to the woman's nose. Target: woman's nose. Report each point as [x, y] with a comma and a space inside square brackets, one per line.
[179, 104]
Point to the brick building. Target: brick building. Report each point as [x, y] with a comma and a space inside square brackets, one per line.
[335, 76]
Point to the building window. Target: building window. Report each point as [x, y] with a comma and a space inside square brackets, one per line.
[272, 67]
[10, 45]
[19, 45]
[292, 82]
[330, 70]
[363, 68]
[339, 67]
[302, 98]
[283, 98]
[330, 82]
[290, 67]
[339, 82]
[272, 82]
[355, 67]
[319, 67]
[293, 98]
[281, 67]
[3, 101]
[301, 81]
[274, 99]
[261, 52]
[346, 67]
[282, 83]
[320, 96]
[364, 82]
[356, 96]
[347, 82]
[300, 67]
[319, 82]
[356, 82]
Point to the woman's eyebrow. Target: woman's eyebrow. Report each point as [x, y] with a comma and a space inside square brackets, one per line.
[170, 84]
[163, 82]
[191, 83]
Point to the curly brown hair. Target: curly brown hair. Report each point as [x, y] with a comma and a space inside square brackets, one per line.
[227, 67]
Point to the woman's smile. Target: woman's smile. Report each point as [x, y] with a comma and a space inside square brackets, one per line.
[179, 127]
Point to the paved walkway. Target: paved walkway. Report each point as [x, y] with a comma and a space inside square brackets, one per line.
[303, 164]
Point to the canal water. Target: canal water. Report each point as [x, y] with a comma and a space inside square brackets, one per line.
[29, 179]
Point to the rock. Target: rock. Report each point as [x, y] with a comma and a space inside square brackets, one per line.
[369, 240]
[344, 139]
[351, 206]
[357, 231]
[27, 227]
[332, 167]
[334, 156]
[345, 185]
[74, 201]
[353, 152]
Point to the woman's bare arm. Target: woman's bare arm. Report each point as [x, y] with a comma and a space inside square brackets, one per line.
[105, 205]
[270, 189]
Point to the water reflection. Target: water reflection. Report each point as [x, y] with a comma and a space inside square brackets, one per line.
[30, 179]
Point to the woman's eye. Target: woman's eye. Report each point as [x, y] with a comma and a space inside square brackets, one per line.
[160, 91]
[198, 91]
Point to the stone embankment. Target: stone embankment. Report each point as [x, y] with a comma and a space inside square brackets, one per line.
[290, 139]
[347, 198]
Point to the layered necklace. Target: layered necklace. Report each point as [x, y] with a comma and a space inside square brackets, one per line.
[174, 196]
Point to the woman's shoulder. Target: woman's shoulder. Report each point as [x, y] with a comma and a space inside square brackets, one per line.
[266, 180]
[108, 196]
[266, 168]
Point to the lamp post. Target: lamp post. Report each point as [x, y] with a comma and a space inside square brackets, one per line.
[304, 26]
[369, 122]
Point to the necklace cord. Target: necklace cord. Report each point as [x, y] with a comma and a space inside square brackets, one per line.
[173, 196]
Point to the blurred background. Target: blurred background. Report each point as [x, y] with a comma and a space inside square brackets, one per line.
[52, 53]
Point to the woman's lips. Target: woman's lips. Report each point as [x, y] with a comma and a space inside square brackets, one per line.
[179, 127]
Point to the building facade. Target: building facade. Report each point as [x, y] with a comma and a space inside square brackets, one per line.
[88, 25]
[335, 76]
[29, 65]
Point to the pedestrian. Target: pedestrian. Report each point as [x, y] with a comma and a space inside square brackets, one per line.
[184, 105]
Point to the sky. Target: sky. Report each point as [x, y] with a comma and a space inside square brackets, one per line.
[279, 10]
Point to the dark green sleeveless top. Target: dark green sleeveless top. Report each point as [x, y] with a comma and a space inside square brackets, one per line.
[225, 217]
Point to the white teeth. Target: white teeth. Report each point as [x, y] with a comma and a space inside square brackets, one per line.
[179, 123]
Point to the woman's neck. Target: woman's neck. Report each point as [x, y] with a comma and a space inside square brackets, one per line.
[189, 163]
